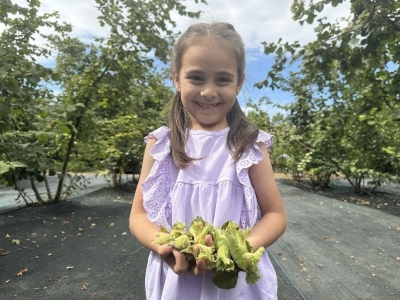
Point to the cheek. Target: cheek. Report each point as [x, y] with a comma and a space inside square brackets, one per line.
[187, 93]
[185, 98]
[231, 95]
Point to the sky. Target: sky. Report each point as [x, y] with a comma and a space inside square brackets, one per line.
[255, 20]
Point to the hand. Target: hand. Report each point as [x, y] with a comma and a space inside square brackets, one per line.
[177, 260]
[201, 266]
[174, 258]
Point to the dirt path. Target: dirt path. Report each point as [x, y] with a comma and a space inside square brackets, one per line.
[82, 249]
[79, 249]
[386, 199]
[338, 250]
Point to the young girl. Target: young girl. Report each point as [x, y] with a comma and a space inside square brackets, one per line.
[210, 162]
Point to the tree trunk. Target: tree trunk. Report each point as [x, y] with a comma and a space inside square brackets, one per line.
[21, 193]
[46, 182]
[57, 197]
[35, 190]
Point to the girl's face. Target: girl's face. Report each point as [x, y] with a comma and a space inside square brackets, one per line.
[208, 82]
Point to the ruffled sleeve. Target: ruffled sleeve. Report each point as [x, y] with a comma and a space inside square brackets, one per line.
[251, 211]
[156, 198]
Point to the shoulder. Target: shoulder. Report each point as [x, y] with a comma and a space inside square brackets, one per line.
[264, 139]
[159, 134]
[260, 153]
[158, 143]
[256, 150]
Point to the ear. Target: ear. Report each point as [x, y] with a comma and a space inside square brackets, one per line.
[240, 84]
[176, 81]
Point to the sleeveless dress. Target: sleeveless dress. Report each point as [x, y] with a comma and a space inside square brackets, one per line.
[214, 188]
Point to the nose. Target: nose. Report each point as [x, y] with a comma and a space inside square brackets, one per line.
[208, 91]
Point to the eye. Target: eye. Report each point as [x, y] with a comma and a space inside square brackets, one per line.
[223, 80]
[195, 78]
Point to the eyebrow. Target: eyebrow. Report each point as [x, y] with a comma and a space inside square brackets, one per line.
[221, 73]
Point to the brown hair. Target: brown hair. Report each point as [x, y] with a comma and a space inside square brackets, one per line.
[242, 133]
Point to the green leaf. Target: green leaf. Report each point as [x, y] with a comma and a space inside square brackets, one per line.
[4, 109]
[259, 85]
[74, 129]
[65, 129]
[319, 6]
[252, 277]
[55, 76]
[42, 137]
[319, 28]
[310, 18]
[225, 280]
[4, 167]
[12, 85]
[16, 164]
[34, 79]
[375, 63]
[362, 118]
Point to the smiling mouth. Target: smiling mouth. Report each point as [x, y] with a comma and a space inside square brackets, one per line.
[207, 105]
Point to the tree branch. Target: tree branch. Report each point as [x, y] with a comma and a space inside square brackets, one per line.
[73, 134]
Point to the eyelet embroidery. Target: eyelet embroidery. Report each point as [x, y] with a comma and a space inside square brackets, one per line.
[249, 157]
[156, 200]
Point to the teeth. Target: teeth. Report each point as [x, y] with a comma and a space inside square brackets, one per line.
[207, 105]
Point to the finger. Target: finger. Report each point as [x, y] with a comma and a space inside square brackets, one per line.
[164, 251]
[200, 267]
[209, 240]
[180, 261]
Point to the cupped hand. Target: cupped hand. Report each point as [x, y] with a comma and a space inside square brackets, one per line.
[174, 258]
[177, 260]
[201, 265]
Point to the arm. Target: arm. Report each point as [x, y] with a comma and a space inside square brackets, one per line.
[146, 231]
[273, 217]
[140, 226]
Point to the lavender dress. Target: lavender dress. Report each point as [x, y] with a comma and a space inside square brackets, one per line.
[217, 190]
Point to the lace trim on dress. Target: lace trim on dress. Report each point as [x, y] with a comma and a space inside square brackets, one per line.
[250, 157]
[156, 200]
